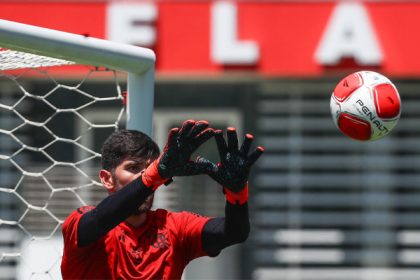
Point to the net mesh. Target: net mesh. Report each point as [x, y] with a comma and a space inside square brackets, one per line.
[17, 60]
[50, 134]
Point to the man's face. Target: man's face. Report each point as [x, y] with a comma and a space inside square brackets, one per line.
[127, 171]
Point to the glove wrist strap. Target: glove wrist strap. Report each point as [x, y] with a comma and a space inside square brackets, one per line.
[151, 177]
[237, 198]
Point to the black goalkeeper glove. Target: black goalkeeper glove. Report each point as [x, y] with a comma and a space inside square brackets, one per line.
[235, 164]
[175, 158]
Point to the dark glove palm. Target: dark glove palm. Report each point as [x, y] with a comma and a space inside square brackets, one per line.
[235, 164]
[175, 158]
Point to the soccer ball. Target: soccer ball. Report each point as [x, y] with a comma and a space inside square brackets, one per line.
[365, 105]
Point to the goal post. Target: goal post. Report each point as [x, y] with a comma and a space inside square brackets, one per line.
[138, 62]
[50, 128]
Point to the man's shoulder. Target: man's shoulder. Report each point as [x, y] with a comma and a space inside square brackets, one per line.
[76, 214]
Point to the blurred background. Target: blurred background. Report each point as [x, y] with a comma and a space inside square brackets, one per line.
[323, 206]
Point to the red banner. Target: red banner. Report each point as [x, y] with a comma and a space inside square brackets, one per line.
[271, 38]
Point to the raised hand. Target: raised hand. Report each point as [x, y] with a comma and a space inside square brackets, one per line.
[235, 163]
[175, 158]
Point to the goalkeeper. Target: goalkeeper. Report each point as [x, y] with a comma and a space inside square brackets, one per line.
[121, 238]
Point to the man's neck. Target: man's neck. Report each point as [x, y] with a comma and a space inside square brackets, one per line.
[137, 220]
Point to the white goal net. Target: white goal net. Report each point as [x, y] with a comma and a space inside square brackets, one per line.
[55, 112]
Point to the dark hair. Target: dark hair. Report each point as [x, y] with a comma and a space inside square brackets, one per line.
[128, 144]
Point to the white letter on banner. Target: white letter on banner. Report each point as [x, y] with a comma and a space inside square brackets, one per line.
[130, 23]
[225, 47]
[349, 33]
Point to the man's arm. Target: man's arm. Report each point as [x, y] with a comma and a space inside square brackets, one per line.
[111, 211]
[221, 232]
[232, 173]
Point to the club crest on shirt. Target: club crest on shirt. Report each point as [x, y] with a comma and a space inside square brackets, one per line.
[162, 241]
[157, 239]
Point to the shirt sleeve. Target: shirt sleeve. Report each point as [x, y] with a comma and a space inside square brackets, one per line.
[70, 229]
[189, 227]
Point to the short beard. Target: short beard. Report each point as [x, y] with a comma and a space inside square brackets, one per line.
[145, 206]
[141, 210]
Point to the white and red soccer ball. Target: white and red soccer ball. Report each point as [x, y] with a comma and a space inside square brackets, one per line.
[365, 105]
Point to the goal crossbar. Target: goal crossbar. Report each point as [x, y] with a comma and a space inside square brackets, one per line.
[138, 62]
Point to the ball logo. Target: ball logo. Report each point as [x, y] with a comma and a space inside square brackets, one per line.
[372, 117]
